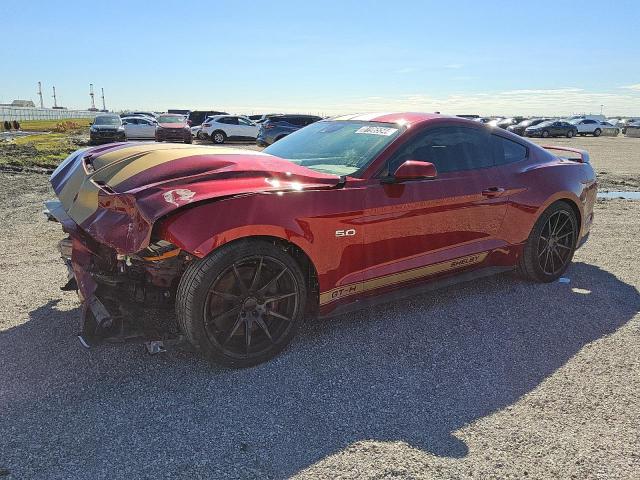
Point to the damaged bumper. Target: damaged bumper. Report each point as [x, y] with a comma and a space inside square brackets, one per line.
[125, 298]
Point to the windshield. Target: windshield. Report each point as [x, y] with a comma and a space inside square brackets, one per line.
[107, 120]
[170, 119]
[545, 123]
[336, 147]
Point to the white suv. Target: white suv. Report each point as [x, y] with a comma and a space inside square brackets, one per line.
[589, 126]
[221, 128]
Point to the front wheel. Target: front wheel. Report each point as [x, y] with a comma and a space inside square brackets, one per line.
[570, 134]
[242, 304]
[551, 244]
[597, 132]
[545, 134]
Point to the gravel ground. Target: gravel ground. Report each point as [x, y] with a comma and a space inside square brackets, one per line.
[495, 379]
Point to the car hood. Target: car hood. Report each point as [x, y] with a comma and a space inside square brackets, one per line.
[116, 193]
[172, 125]
[105, 127]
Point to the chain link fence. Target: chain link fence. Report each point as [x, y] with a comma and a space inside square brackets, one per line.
[29, 113]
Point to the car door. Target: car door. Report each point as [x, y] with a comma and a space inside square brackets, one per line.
[146, 128]
[420, 228]
[231, 126]
[130, 127]
[247, 128]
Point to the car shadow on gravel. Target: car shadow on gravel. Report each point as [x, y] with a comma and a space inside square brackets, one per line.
[412, 371]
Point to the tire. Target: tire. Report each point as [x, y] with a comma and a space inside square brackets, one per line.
[238, 279]
[539, 256]
[545, 134]
[597, 132]
[188, 140]
[570, 134]
[201, 135]
[617, 132]
[218, 137]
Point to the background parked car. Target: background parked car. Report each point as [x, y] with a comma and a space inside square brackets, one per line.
[106, 129]
[609, 129]
[552, 128]
[628, 122]
[173, 126]
[588, 126]
[139, 128]
[520, 127]
[507, 122]
[221, 128]
[276, 127]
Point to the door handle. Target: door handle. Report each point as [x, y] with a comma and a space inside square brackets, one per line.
[493, 192]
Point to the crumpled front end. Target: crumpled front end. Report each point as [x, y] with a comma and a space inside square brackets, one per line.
[124, 298]
[109, 201]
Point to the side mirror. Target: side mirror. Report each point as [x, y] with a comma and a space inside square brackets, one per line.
[414, 170]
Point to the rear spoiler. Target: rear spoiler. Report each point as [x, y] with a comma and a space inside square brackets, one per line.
[584, 155]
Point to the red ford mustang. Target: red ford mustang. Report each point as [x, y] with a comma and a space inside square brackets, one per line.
[229, 249]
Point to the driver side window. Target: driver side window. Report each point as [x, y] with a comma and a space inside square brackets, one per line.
[450, 149]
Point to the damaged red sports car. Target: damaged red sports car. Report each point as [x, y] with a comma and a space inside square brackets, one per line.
[230, 249]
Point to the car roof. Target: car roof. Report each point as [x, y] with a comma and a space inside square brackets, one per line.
[404, 118]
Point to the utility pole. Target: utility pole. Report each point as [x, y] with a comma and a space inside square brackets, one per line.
[55, 101]
[601, 107]
[103, 106]
[40, 94]
[93, 103]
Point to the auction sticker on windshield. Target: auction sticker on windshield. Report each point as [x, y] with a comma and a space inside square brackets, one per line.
[385, 131]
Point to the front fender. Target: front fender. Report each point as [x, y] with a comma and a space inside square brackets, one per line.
[205, 227]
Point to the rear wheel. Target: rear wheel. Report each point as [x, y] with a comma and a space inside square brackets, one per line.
[551, 244]
[570, 134]
[218, 137]
[597, 132]
[200, 135]
[242, 304]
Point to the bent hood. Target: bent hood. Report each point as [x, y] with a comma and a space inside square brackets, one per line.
[115, 193]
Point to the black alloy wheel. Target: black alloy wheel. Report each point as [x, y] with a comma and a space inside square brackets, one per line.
[250, 306]
[243, 303]
[551, 244]
[556, 243]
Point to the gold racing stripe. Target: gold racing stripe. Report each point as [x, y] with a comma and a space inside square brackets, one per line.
[400, 277]
[80, 195]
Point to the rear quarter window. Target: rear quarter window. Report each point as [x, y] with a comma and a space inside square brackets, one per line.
[507, 151]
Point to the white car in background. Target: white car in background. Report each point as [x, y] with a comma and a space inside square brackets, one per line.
[588, 126]
[221, 128]
[139, 128]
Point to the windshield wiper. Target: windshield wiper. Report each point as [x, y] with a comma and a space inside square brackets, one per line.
[341, 182]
